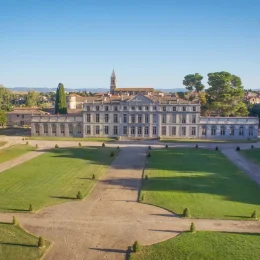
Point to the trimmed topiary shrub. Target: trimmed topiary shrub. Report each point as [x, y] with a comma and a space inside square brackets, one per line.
[103, 145]
[79, 144]
[186, 213]
[41, 242]
[30, 207]
[15, 221]
[238, 148]
[36, 146]
[196, 146]
[146, 177]
[142, 197]
[56, 146]
[216, 148]
[27, 143]
[136, 246]
[148, 155]
[192, 228]
[79, 195]
[93, 177]
[112, 154]
[149, 147]
[23, 138]
[166, 146]
[254, 215]
[252, 146]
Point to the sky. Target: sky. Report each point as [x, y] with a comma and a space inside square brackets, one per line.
[148, 43]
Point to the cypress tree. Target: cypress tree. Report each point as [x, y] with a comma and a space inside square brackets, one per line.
[60, 103]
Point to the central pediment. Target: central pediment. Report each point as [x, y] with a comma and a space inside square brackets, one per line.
[140, 99]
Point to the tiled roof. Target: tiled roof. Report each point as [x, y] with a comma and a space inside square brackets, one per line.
[133, 89]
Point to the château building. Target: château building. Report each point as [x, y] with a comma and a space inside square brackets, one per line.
[141, 113]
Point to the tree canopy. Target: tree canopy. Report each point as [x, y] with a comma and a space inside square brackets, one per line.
[193, 82]
[60, 102]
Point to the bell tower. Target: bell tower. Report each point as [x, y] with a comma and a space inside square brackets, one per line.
[112, 82]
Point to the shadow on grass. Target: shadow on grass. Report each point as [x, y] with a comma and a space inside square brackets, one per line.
[239, 217]
[16, 244]
[64, 197]
[109, 250]
[166, 230]
[16, 210]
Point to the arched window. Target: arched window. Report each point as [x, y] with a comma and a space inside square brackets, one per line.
[62, 129]
[222, 130]
[204, 130]
[53, 129]
[251, 131]
[71, 129]
[213, 130]
[45, 128]
[79, 128]
[37, 129]
[241, 130]
[232, 130]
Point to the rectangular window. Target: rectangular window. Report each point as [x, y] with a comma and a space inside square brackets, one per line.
[139, 130]
[193, 131]
[146, 130]
[204, 130]
[154, 130]
[194, 109]
[116, 108]
[132, 130]
[37, 129]
[140, 108]
[88, 132]
[183, 119]
[54, 129]
[154, 118]
[97, 130]
[184, 109]
[97, 108]
[88, 108]
[213, 130]
[124, 130]
[17, 115]
[154, 108]
[163, 130]
[22, 116]
[251, 131]
[174, 130]
[241, 131]
[125, 118]
[193, 120]
[115, 130]
[106, 118]
[106, 129]
[62, 129]
[106, 108]
[132, 118]
[97, 118]
[146, 108]
[146, 118]
[164, 119]
[115, 118]
[88, 118]
[173, 108]
[174, 118]
[125, 108]
[132, 108]
[183, 130]
[139, 118]
[164, 108]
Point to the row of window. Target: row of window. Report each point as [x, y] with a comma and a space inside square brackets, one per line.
[139, 118]
[230, 131]
[54, 129]
[140, 108]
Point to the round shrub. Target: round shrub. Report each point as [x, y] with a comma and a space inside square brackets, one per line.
[192, 228]
[93, 177]
[79, 195]
[79, 144]
[36, 146]
[41, 242]
[238, 148]
[27, 143]
[148, 155]
[186, 213]
[103, 145]
[15, 221]
[252, 146]
[166, 146]
[112, 154]
[56, 146]
[136, 246]
[254, 215]
[196, 146]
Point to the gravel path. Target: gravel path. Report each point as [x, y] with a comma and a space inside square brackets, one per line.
[110, 219]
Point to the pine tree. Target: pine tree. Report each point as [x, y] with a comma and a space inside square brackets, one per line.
[60, 103]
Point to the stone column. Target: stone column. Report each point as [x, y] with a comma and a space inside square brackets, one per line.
[41, 130]
[32, 129]
[66, 126]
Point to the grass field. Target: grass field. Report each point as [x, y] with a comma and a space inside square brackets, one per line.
[15, 243]
[190, 140]
[203, 246]
[204, 181]
[79, 139]
[2, 143]
[252, 154]
[53, 177]
[14, 151]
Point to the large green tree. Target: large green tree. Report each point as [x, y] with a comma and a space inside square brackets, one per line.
[31, 99]
[226, 94]
[193, 82]
[2, 118]
[60, 102]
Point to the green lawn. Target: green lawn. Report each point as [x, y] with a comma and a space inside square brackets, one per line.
[79, 139]
[15, 243]
[194, 140]
[203, 246]
[53, 177]
[14, 151]
[253, 155]
[204, 181]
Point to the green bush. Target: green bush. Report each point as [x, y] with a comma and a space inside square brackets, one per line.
[79, 144]
[23, 138]
[27, 143]
[56, 146]
[79, 195]
[148, 155]
[146, 177]
[118, 147]
[238, 148]
[15, 221]
[93, 177]
[196, 146]
[136, 246]
[142, 197]
[192, 228]
[103, 145]
[254, 215]
[166, 146]
[216, 148]
[186, 213]
[30, 207]
[112, 154]
[41, 242]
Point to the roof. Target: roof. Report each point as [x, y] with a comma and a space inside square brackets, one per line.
[134, 89]
[27, 112]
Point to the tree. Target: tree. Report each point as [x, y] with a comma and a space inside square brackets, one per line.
[226, 94]
[60, 102]
[193, 82]
[2, 118]
[31, 99]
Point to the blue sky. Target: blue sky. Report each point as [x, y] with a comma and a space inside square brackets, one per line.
[149, 43]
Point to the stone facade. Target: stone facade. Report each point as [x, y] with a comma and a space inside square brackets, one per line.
[144, 117]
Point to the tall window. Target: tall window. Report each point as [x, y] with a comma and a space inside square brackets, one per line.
[115, 130]
[132, 130]
[45, 129]
[174, 130]
[88, 132]
[79, 128]
[97, 118]
[124, 130]
[164, 108]
[106, 130]
[88, 118]
[174, 118]
[183, 130]
[53, 129]
[193, 130]
[146, 108]
[37, 129]
[71, 129]
[173, 108]
[139, 130]
[164, 119]
[204, 130]
[88, 108]
[106, 118]
[241, 130]
[115, 118]
[125, 108]
[106, 108]
[62, 129]
[132, 118]
[184, 109]
[146, 118]
[194, 109]
[154, 130]
[213, 130]
[97, 130]
[222, 130]
[125, 118]
[116, 108]
[132, 108]
[251, 131]
[140, 107]
[97, 108]
[193, 119]
[146, 130]
[154, 118]
[232, 130]
[163, 130]
[139, 118]
[154, 108]
[183, 119]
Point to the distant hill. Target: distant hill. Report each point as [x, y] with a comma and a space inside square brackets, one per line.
[99, 90]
